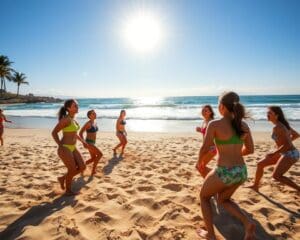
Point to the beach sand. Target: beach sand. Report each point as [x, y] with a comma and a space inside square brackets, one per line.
[150, 193]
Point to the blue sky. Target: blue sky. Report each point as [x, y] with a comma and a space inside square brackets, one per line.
[76, 48]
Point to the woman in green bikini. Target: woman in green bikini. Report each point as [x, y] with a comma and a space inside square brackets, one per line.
[233, 140]
[91, 129]
[67, 151]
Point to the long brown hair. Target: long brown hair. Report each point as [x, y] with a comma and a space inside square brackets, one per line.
[231, 101]
[64, 109]
[212, 114]
[280, 116]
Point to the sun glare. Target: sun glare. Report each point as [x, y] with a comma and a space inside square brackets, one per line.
[143, 32]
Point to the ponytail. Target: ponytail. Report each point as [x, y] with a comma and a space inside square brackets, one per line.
[64, 109]
[231, 101]
[239, 114]
[62, 113]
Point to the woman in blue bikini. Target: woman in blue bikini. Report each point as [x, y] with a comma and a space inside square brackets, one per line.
[233, 140]
[91, 129]
[121, 132]
[285, 156]
[67, 150]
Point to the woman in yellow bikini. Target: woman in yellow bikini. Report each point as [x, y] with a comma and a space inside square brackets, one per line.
[67, 151]
[2, 119]
[121, 132]
[91, 129]
[233, 140]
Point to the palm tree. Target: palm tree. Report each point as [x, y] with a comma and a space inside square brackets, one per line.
[5, 72]
[19, 78]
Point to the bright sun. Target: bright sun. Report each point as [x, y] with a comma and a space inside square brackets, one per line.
[143, 32]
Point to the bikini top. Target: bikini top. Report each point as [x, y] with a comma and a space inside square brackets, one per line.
[123, 122]
[274, 136]
[234, 139]
[92, 129]
[203, 130]
[73, 127]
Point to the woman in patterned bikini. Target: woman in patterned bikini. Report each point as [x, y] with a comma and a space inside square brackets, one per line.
[233, 140]
[285, 156]
[121, 132]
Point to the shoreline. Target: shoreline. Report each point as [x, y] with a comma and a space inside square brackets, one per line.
[159, 126]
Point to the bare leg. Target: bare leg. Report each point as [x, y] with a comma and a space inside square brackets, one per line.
[281, 168]
[260, 169]
[205, 160]
[96, 155]
[1, 136]
[212, 185]
[124, 144]
[119, 135]
[68, 159]
[225, 201]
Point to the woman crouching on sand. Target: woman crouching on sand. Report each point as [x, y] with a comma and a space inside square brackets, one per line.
[208, 115]
[2, 119]
[233, 140]
[121, 132]
[286, 154]
[91, 129]
[67, 145]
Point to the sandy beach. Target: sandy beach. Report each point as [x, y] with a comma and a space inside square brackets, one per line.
[150, 193]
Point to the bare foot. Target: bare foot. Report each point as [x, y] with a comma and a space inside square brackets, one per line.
[61, 181]
[254, 187]
[249, 232]
[204, 234]
[71, 193]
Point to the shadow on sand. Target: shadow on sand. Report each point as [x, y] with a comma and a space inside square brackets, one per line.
[36, 214]
[115, 160]
[233, 229]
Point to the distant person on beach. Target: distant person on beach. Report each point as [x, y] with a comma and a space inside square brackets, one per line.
[2, 119]
[285, 156]
[91, 129]
[121, 132]
[67, 150]
[233, 140]
[208, 115]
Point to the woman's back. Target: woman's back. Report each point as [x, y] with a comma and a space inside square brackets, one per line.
[228, 143]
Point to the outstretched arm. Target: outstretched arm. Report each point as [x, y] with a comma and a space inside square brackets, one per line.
[248, 147]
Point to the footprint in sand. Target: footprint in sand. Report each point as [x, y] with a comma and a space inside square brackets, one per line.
[173, 187]
[146, 188]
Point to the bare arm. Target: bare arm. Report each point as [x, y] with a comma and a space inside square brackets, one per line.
[248, 147]
[59, 126]
[83, 129]
[283, 137]
[5, 119]
[294, 134]
[208, 140]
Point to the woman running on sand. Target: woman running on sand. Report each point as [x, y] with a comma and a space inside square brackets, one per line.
[121, 132]
[233, 140]
[285, 156]
[67, 150]
[91, 129]
[208, 115]
[2, 119]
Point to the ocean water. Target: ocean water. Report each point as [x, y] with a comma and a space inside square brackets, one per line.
[151, 114]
